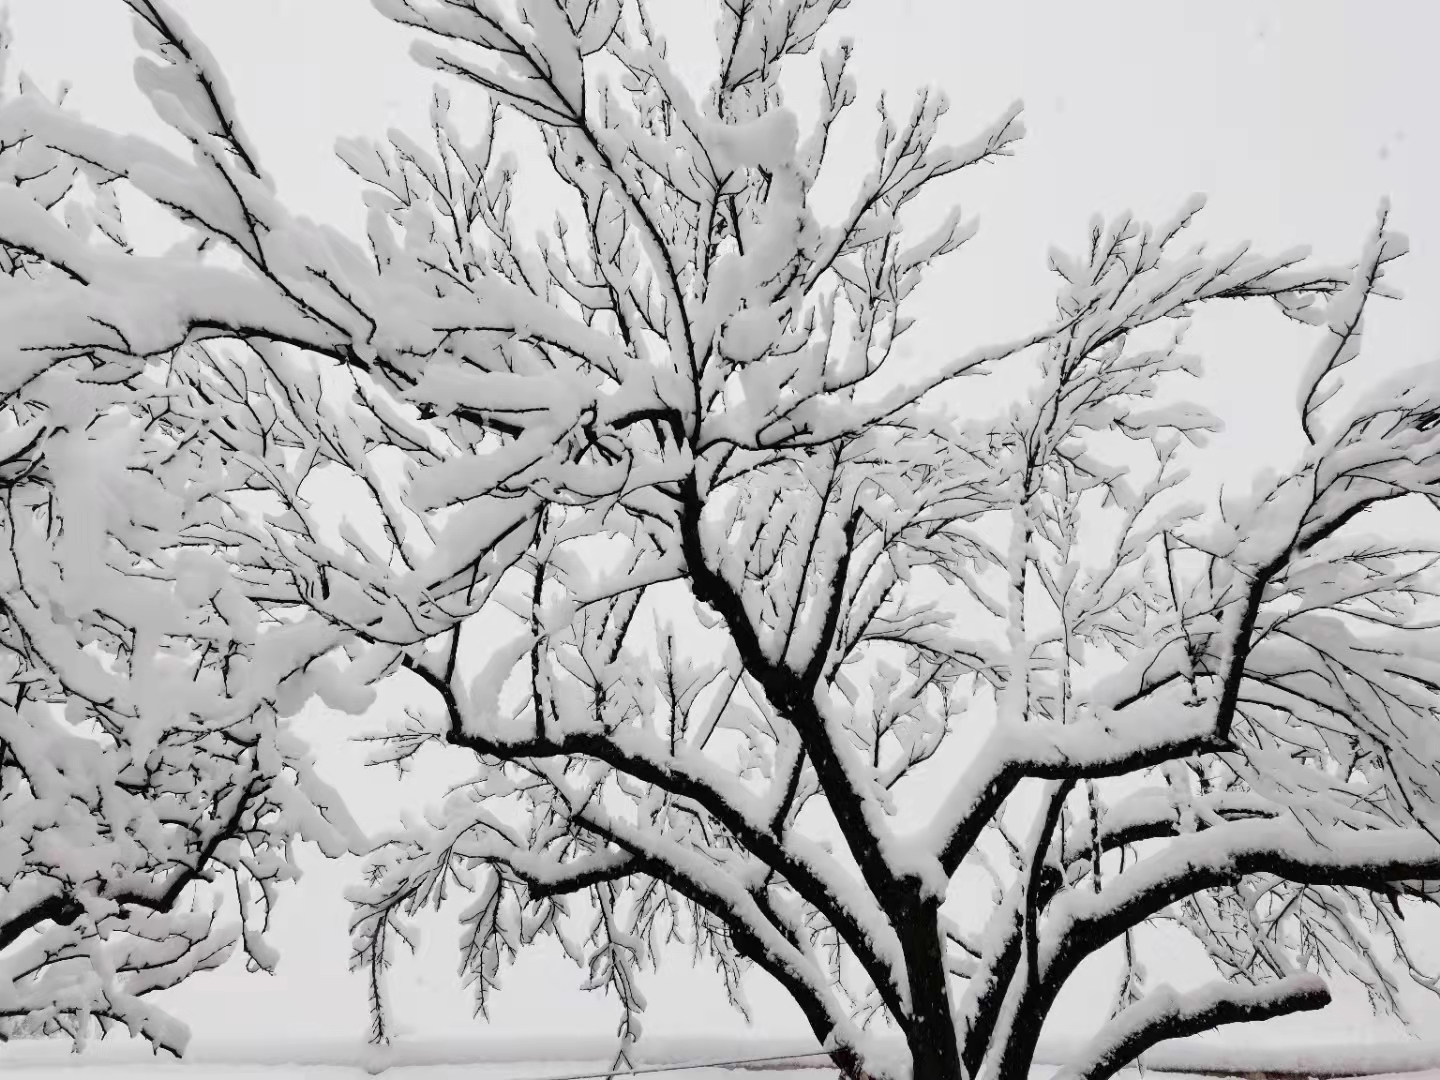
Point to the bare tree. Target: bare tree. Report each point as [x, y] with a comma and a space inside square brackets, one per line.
[755, 640]
[141, 764]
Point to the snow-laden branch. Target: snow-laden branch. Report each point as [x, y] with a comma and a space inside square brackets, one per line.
[1311, 854]
[1165, 1013]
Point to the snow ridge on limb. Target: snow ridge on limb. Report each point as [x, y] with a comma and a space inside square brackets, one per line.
[1166, 1014]
[193, 82]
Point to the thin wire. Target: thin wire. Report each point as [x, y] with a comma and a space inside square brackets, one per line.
[608, 1073]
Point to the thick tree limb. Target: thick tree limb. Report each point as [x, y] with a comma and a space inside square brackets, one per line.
[1166, 1014]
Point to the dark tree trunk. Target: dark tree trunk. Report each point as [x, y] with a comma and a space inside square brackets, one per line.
[934, 1059]
[848, 1062]
[934, 1049]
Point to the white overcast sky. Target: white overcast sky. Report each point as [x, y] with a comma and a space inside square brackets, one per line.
[1296, 118]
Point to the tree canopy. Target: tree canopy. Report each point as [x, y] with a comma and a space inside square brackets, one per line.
[758, 632]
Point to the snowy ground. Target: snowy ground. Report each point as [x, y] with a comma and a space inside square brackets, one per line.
[96, 1067]
[333, 1072]
[486, 1071]
[573, 1057]
[120, 1061]
[98, 1070]
[178, 1070]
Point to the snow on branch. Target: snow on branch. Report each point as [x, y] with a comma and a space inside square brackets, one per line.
[1165, 1014]
[143, 775]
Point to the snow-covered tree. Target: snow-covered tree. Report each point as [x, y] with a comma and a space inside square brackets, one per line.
[760, 633]
[140, 760]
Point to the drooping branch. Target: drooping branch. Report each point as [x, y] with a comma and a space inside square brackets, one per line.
[1083, 923]
[633, 755]
[1165, 1014]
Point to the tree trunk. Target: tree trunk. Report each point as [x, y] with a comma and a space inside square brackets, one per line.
[848, 1062]
[935, 1059]
[934, 1049]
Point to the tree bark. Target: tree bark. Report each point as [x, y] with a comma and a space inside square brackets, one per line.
[934, 1048]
